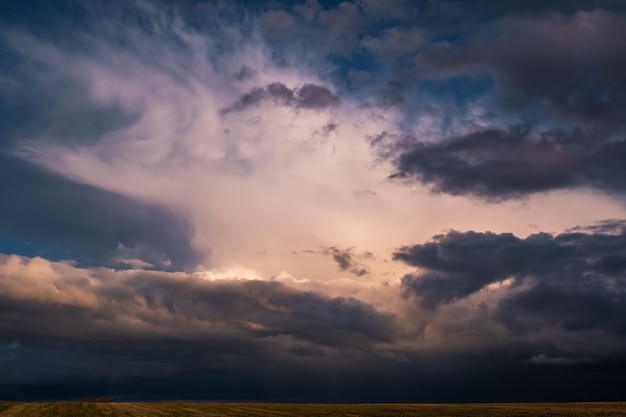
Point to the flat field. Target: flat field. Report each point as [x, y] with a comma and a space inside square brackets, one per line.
[180, 409]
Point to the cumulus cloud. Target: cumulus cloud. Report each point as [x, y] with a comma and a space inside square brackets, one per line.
[198, 299]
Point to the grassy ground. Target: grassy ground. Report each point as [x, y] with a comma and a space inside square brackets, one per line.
[283, 410]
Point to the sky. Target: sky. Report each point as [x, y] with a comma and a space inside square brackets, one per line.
[399, 201]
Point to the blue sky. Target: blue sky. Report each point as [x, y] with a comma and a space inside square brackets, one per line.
[329, 201]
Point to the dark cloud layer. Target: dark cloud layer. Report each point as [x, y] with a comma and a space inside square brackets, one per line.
[153, 335]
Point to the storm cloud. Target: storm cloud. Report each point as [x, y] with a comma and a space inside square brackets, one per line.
[557, 300]
[72, 332]
[135, 315]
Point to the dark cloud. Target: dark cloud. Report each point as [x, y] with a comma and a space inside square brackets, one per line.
[134, 364]
[346, 260]
[153, 335]
[458, 19]
[549, 304]
[571, 279]
[604, 226]
[45, 214]
[497, 164]
[266, 309]
[307, 96]
[311, 96]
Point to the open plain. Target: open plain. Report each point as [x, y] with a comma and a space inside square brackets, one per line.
[181, 409]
